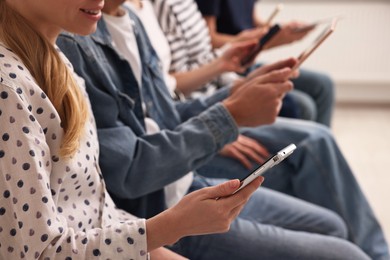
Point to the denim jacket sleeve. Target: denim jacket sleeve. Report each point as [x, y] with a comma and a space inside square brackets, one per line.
[134, 166]
[133, 163]
[193, 107]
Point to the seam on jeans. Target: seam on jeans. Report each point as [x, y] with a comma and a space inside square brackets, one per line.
[326, 181]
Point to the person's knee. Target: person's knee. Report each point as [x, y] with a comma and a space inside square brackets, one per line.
[316, 132]
[336, 226]
[345, 250]
[325, 136]
[307, 110]
[310, 132]
[317, 80]
[327, 87]
[305, 105]
[321, 84]
[326, 81]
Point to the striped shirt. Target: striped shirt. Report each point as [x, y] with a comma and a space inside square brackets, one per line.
[189, 40]
[187, 33]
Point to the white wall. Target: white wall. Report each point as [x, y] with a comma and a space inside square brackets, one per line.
[357, 55]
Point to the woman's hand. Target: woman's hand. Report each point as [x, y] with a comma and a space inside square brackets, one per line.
[204, 214]
[289, 32]
[267, 68]
[251, 34]
[162, 253]
[245, 150]
[258, 100]
[189, 81]
[200, 213]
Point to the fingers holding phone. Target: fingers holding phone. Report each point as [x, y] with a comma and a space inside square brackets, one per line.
[234, 203]
[243, 196]
[263, 41]
[251, 34]
[245, 150]
[233, 53]
[271, 162]
[236, 200]
[209, 210]
[295, 63]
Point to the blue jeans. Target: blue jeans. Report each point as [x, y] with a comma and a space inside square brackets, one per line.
[316, 172]
[314, 95]
[311, 99]
[273, 226]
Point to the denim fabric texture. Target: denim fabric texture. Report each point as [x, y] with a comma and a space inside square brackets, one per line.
[311, 99]
[316, 172]
[136, 166]
[132, 162]
[264, 232]
[314, 95]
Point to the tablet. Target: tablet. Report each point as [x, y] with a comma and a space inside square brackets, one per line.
[319, 40]
[312, 25]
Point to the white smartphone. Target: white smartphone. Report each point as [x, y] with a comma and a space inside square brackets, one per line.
[271, 162]
[319, 40]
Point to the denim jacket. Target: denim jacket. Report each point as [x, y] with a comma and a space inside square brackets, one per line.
[137, 166]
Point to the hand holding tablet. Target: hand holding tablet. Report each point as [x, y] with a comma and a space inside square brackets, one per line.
[319, 40]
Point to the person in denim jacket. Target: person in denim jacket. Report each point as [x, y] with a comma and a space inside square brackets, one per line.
[138, 166]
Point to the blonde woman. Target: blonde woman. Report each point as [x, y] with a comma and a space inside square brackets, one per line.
[53, 201]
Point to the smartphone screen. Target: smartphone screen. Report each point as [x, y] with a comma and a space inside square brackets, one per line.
[268, 164]
[263, 40]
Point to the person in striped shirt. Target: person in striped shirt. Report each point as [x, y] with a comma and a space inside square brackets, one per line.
[182, 23]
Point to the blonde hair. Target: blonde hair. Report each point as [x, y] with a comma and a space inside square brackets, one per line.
[50, 72]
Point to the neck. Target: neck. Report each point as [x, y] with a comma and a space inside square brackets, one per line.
[136, 3]
[114, 8]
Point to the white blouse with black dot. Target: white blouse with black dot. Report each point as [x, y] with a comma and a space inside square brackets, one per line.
[50, 207]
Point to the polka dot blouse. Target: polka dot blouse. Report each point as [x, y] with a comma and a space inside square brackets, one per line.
[52, 208]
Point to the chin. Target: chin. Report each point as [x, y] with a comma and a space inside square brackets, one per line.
[85, 31]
